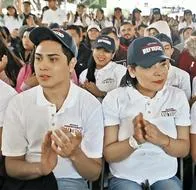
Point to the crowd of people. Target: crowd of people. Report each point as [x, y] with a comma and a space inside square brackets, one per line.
[79, 90]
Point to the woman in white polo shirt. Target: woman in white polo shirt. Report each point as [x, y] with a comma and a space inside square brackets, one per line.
[102, 75]
[146, 126]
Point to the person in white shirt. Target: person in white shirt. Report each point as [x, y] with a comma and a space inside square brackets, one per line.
[14, 18]
[102, 75]
[146, 126]
[187, 21]
[68, 118]
[7, 93]
[54, 14]
[176, 77]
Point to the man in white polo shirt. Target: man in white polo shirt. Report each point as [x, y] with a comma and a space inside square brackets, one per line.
[68, 118]
[54, 14]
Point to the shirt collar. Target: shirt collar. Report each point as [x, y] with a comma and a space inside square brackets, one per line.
[69, 101]
[106, 67]
[136, 95]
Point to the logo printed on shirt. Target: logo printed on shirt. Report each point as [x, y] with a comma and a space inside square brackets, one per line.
[73, 128]
[108, 81]
[168, 112]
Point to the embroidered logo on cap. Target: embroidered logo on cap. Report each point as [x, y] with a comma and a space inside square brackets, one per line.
[59, 33]
[104, 41]
[151, 47]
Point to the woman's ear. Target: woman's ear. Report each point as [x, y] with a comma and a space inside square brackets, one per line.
[72, 64]
[131, 71]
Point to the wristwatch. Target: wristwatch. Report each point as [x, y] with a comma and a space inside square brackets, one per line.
[133, 143]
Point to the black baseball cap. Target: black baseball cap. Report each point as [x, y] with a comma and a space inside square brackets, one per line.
[40, 34]
[145, 52]
[105, 42]
[156, 11]
[187, 11]
[164, 38]
[136, 10]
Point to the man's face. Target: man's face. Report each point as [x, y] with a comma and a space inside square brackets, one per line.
[52, 3]
[168, 49]
[127, 31]
[26, 8]
[51, 65]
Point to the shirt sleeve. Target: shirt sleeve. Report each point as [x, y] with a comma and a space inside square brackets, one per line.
[182, 116]
[110, 110]
[92, 142]
[14, 142]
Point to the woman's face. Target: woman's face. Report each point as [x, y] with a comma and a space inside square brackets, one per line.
[11, 11]
[93, 34]
[152, 79]
[26, 42]
[101, 57]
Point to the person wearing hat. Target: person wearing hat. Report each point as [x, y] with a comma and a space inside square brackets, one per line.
[176, 77]
[54, 14]
[102, 75]
[14, 18]
[136, 19]
[57, 126]
[146, 127]
[156, 15]
[85, 48]
[117, 18]
[187, 21]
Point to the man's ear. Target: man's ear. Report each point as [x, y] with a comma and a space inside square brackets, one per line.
[72, 64]
[131, 71]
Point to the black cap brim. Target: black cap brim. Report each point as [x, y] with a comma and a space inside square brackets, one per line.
[147, 63]
[40, 34]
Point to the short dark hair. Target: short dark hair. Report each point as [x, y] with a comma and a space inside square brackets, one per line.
[125, 23]
[142, 26]
[74, 27]
[108, 30]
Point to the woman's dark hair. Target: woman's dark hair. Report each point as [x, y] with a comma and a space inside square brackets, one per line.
[15, 14]
[127, 80]
[91, 70]
[152, 18]
[13, 66]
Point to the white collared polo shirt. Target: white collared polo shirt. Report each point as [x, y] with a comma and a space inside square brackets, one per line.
[180, 79]
[108, 77]
[29, 116]
[165, 111]
[54, 16]
[7, 92]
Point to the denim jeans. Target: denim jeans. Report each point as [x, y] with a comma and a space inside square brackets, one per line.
[124, 184]
[71, 184]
